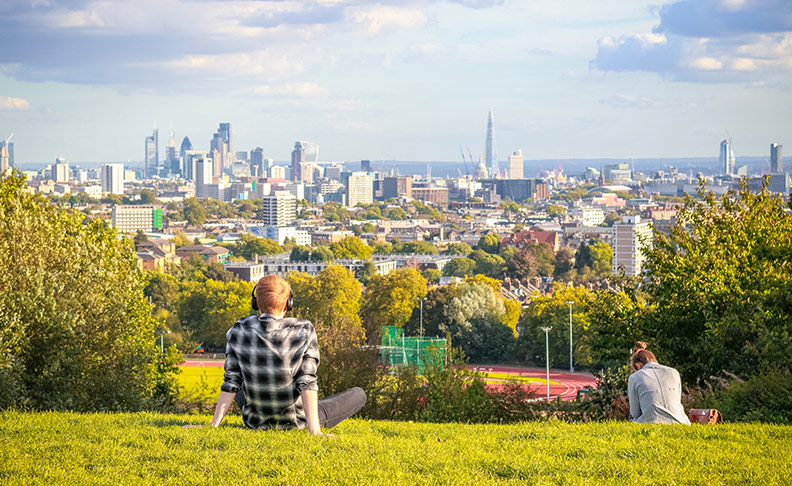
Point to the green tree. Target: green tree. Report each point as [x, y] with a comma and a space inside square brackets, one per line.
[490, 243]
[554, 210]
[249, 245]
[490, 265]
[458, 248]
[601, 258]
[194, 212]
[76, 331]
[181, 239]
[366, 272]
[720, 287]
[417, 248]
[381, 247]
[523, 264]
[147, 196]
[210, 308]
[432, 274]
[459, 267]
[390, 299]
[140, 237]
[545, 257]
[352, 248]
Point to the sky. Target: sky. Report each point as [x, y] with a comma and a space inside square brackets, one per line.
[396, 80]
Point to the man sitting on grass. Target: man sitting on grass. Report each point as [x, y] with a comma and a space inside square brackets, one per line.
[270, 369]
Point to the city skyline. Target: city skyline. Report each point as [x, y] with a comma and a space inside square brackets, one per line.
[409, 80]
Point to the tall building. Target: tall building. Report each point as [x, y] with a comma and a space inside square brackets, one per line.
[60, 171]
[365, 166]
[113, 178]
[203, 176]
[257, 162]
[279, 209]
[617, 172]
[185, 146]
[300, 169]
[776, 163]
[134, 218]
[515, 170]
[6, 155]
[396, 187]
[491, 157]
[726, 158]
[631, 239]
[228, 139]
[152, 154]
[172, 161]
[359, 188]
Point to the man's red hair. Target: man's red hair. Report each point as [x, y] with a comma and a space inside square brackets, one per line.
[272, 292]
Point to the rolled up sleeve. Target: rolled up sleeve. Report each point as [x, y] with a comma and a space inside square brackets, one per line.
[305, 378]
[232, 376]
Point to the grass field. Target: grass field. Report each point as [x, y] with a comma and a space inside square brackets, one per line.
[69, 448]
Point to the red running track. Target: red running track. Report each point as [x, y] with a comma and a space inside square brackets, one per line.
[567, 388]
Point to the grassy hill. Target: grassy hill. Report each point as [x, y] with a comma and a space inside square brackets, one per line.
[147, 448]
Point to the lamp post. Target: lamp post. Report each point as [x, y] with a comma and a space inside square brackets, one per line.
[571, 368]
[547, 351]
[162, 340]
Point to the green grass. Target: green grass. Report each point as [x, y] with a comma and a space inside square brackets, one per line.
[147, 448]
[191, 376]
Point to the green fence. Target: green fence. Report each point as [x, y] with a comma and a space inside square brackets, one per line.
[399, 350]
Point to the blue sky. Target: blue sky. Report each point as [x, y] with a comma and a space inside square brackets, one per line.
[404, 80]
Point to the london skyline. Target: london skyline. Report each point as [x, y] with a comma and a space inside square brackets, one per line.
[410, 80]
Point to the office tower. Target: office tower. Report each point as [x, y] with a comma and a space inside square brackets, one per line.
[152, 154]
[298, 162]
[134, 218]
[515, 165]
[185, 146]
[257, 162]
[776, 163]
[279, 209]
[492, 158]
[396, 187]
[726, 158]
[359, 188]
[60, 171]
[203, 176]
[617, 172]
[631, 239]
[278, 172]
[190, 158]
[365, 166]
[519, 190]
[172, 161]
[228, 139]
[113, 178]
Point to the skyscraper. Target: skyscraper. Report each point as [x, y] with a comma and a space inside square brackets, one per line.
[516, 165]
[228, 139]
[257, 162]
[173, 165]
[492, 158]
[185, 146]
[279, 209]
[4, 158]
[60, 171]
[152, 154]
[203, 176]
[113, 178]
[298, 162]
[359, 188]
[776, 164]
[726, 158]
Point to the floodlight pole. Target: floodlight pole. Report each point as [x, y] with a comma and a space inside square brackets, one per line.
[547, 351]
[422, 300]
[571, 366]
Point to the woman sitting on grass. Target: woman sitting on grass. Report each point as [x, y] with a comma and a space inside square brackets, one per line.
[654, 390]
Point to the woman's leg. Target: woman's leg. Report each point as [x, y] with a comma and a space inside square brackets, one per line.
[335, 408]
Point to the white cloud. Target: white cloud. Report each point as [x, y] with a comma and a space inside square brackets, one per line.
[304, 90]
[11, 103]
[378, 18]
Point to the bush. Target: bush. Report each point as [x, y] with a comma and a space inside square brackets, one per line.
[766, 398]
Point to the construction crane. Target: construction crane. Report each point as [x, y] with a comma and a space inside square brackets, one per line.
[467, 172]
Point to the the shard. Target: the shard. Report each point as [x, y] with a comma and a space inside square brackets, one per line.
[492, 159]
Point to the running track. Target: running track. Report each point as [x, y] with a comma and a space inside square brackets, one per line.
[567, 388]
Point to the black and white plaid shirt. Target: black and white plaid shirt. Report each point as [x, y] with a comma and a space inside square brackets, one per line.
[273, 361]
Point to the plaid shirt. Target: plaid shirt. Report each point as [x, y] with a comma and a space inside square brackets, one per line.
[273, 361]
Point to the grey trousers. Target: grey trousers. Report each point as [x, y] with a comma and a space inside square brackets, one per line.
[333, 409]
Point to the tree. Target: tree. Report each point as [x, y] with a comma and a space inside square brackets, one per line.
[523, 264]
[381, 247]
[305, 254]
[564, 260]
[601, 258]
[351, 248]
[390, 299]
[366, 272]
[76, 331]
[140, 237]
[194, 212]
[458, 248]
[459, 267]
[249, 245]
[554, 210]
[487, 264]
[545, 257]
[417, 248]
[210, 308]
[720, 286]
[552, 310]
[147, 196]
[490, 243]
[432, 274]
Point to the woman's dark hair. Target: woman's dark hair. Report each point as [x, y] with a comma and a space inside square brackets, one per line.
[642, 355]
